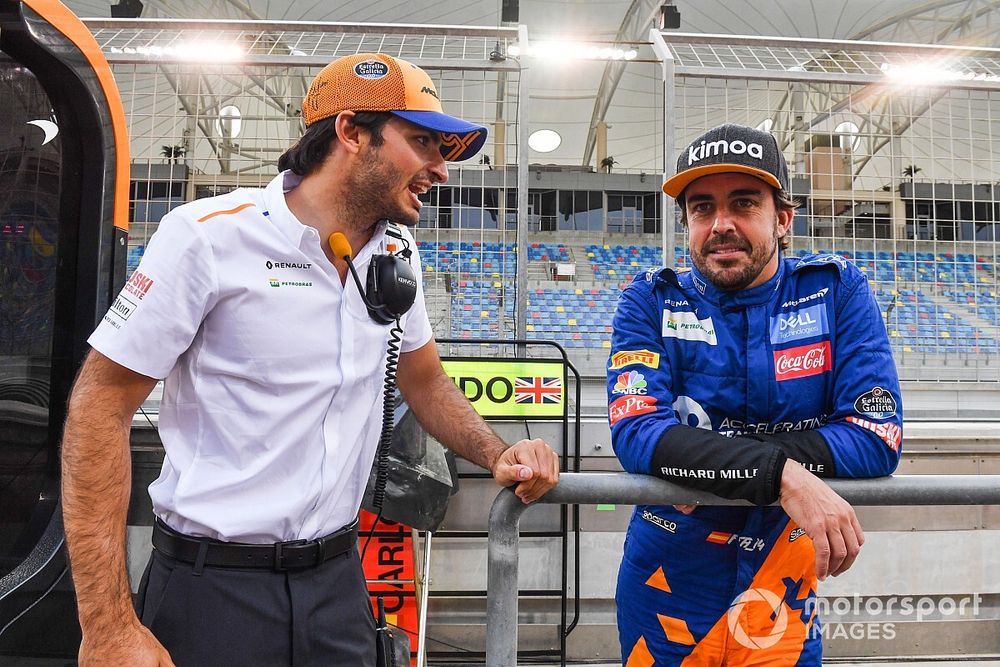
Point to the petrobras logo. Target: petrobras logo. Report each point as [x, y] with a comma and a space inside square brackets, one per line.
[877, 403]
[891, 434]
[798, 324]
[630, 406]
[371, 70]
[802, 361]
[686, 326]
[812, 297]
[631, 383]
[706, 149]
[632, 357]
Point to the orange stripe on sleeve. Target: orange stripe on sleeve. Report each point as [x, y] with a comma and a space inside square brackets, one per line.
[230, 211]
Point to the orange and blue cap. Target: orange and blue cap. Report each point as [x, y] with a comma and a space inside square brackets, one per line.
[380, 82]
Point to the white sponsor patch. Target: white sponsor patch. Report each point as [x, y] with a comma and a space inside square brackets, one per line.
[686, 325]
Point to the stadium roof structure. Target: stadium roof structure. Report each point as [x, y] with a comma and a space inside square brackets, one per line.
[573, 96]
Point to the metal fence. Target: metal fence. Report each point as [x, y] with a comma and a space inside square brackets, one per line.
[211, 106]
[892, 155]
[575, 488]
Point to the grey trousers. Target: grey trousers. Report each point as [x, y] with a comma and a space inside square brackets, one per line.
[246, 617]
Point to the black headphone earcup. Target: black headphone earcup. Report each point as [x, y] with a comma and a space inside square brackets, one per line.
[391, 288]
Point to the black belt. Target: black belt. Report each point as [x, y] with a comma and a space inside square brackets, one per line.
[280, 556]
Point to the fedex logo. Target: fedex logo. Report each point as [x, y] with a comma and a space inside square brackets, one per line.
[630, 406]
[798, 324]
[802, 361]
[138, 285]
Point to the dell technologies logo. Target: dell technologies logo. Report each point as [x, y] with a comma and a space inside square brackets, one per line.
[721, 147]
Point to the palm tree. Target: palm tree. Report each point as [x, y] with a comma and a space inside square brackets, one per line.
[173, 153]
[607, 163]
[911, 171]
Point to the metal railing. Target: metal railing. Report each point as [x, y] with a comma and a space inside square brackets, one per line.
[575, 488]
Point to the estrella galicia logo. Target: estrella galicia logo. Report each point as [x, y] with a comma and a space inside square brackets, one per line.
[371, 70]
[808, 322]
[877, 403]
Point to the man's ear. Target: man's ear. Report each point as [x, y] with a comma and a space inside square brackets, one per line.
[784, 222]
[349, 135]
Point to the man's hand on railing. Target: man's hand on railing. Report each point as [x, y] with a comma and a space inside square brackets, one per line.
[826, 517]
[530, 464]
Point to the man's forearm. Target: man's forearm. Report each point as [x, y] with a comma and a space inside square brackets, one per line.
[95, 491]
[445, 413]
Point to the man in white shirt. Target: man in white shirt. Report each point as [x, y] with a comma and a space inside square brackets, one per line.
[272, 398]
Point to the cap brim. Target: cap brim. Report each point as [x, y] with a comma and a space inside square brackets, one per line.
[460, 139]
[675, 184]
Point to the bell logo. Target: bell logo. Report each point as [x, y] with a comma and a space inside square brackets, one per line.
[722, 147]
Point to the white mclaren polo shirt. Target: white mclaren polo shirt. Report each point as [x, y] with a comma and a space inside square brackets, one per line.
[272, 403]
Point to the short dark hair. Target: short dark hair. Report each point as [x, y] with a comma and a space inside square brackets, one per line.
[314, 145]
[782, 201]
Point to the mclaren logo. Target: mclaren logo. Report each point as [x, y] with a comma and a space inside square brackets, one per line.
[430, 91]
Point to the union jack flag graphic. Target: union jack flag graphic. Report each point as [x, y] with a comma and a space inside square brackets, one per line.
[537, 389]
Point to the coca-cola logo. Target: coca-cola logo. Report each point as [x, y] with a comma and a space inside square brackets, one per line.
[802, 361]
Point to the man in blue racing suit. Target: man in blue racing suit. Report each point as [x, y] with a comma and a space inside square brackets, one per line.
[751, 376]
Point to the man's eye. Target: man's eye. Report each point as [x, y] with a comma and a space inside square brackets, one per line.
[745, 203]
[424, 141]
[702, 207]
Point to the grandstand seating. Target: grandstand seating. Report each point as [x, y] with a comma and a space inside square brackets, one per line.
[573, 317]
[580, 317]
[620, 262]
[917, 324]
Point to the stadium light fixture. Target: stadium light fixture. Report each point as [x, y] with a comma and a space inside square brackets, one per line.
[544, 141]
[559, 50]
[927, 74]
[209, 51]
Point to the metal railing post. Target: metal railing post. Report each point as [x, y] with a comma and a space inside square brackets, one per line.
[501, 603]
[501, 594]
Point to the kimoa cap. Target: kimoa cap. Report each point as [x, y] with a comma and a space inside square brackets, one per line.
[379, 82]
[728, 148]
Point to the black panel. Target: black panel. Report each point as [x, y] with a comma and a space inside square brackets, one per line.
[30, 176]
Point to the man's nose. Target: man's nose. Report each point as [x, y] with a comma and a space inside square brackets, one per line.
[439, 170]
[723, 221]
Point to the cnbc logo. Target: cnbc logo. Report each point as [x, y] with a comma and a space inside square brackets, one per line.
[630, 383]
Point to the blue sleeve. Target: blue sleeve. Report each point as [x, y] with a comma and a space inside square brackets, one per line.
[865, 428]
[638, 420]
